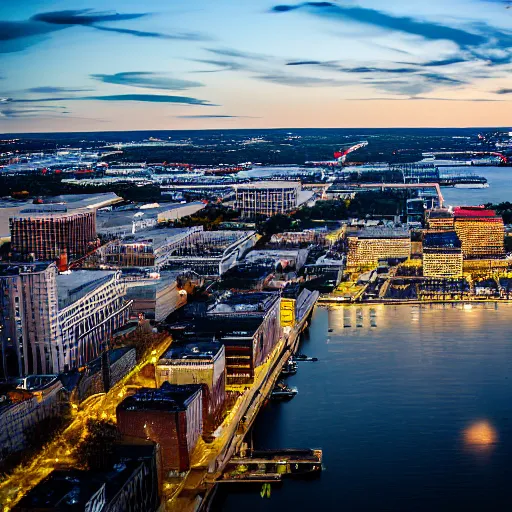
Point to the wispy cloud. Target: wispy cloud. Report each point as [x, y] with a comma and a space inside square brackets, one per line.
[181, 36]
[504, 91]
[149, 98]
[300, 81]
[50, 89]
[148, 80]
[237, 54]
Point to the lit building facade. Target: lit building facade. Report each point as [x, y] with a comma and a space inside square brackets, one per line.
[442, 255]
[49, 231]
[197, 363]
[440, 219]
[367, 247]
[267, 197]
[480, 231]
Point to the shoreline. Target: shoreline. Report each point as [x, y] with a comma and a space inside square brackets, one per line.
[326, 301]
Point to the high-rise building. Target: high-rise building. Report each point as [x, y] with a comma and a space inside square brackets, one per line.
[440, 219]
[442, 255]
[51, 322]
[368, 246]
[268, 197]
[48, 231]
[480, 231]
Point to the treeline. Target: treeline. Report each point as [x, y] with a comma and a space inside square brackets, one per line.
[209, 217]
[503, 209]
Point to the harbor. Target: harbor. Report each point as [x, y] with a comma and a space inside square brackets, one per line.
[400, 391]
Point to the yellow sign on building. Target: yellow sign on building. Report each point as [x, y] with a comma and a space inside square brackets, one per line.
[287, 312]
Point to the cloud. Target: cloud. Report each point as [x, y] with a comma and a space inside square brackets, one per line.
[186, 36]
[365, 69]
[223, 65]
[425, 29]
[237, 54]
[504, 91]
[83, 17]
[150, 98]
[54, 90]
[147, 80]
[18, 35]
[300, 81]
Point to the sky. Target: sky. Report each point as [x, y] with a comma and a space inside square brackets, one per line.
[101, 65]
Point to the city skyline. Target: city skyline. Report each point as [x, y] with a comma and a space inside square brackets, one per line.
[263, 64]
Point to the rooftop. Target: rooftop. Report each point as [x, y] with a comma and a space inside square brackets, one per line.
[200, 350]
[169, 397]
[14, 269]
[269, 184]
[244, 303]
[473, 211]
[382, 232]
[447, 239]
[74, 285]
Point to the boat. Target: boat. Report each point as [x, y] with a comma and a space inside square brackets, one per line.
[303, 357]
[290, 368]
[283, 392]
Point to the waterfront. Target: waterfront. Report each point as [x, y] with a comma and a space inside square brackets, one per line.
[390, 401]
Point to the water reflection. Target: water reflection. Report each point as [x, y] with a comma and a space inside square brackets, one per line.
[481, 435]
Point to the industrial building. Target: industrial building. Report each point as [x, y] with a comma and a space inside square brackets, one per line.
[47, 232]
[366, 247]
[198, 363]
[131, 219]
[442, 255]
[269, 197]
[209, 253]
[51, 322]
[170, 416]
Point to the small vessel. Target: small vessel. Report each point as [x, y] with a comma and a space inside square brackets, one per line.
[303, 357]
[283, 392]
[330, 330]
[290, 368]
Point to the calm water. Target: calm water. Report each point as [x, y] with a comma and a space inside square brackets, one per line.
[389, 401]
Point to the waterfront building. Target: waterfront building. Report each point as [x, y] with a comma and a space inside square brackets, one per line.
[366, 247]
[170, 416]
[197, 363]
[268, 197]
[442, 255]
[287, 258]
[440, 219]
[295, 304]
[46, 232]
[480, 231]
[55, 322]
[129, 484]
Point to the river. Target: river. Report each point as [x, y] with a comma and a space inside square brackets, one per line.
[412, 406]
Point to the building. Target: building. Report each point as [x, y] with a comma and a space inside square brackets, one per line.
[124, 221]
[368, 246]
[297, 238]
[442, 255]
[157, 294]
[249, 323]
[480, 231]
[37, 399]
[92, 306]
[296, 303]
[268, 197]
[293, 259]
[130, 484]
[209, 253]
[170, 416]
[198, 363]
[46, 232]
[440, 219]
[55, 322]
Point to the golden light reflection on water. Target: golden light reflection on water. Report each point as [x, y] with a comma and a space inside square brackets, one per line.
[480, 435]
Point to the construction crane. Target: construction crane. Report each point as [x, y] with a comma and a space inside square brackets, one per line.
[340, 156]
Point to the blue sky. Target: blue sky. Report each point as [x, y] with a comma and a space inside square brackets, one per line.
[112, 65]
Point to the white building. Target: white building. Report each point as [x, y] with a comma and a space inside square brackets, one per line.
[51, 322]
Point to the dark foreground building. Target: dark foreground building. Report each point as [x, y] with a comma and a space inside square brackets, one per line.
[131, 485]
[170, 416]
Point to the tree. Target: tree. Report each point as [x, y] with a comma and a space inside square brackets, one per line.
[96, 451]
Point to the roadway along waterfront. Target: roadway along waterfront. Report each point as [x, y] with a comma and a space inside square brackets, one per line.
[411, 404]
